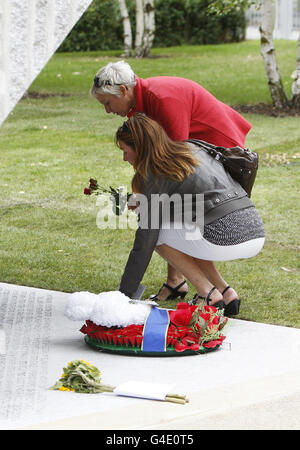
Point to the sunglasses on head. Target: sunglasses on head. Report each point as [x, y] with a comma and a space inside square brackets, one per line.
[99, 83]
[125, 128]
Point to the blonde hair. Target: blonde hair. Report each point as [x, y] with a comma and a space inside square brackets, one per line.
[155, 151]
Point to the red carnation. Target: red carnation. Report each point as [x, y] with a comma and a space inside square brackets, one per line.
[87, 191]
[205, 316]
[182, 315]
[210, 309]
[215, 320]
[212, 344]
[180, 347]
[93, 183]
[183, 305]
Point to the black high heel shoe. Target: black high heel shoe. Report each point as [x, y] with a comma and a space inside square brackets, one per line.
[219, 305]
[174, 292]
[232, 308]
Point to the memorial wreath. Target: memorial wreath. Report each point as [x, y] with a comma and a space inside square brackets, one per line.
[115, 323]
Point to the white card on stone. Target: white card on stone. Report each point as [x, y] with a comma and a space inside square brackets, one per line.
[142, 389]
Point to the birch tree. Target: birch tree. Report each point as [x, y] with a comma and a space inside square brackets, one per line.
[126, 28]
[268, 52]
[145, 27]
[278, 95]
[296, 83]
[139, 33]
[149, 28]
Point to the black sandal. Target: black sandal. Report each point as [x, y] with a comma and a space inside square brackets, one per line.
[219, 305]
[174, 292]
[232, 308]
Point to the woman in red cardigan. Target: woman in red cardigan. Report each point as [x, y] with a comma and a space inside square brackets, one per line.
[183, 108]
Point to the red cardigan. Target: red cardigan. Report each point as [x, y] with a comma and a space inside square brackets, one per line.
[188, 111]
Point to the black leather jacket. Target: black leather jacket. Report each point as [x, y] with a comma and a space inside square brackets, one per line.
[222, 195]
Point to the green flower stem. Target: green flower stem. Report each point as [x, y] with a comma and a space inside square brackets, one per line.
[98, 386]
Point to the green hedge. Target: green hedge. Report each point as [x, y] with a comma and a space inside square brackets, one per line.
[186, 22]
[100, 28]
[177, 22]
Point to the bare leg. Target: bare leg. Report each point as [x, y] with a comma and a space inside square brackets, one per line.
[174, 278]
[210, 271]
[188, 267]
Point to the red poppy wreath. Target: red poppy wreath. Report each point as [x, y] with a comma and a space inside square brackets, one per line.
[115, 323]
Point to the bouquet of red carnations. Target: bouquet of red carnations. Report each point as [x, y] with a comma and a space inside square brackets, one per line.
[117, 197]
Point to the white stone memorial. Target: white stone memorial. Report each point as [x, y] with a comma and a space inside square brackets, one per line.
[30, 32]
[251, 382]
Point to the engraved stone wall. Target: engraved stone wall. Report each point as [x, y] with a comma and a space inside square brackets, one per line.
[30, 32]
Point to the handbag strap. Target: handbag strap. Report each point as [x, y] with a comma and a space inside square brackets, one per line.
[211, 149]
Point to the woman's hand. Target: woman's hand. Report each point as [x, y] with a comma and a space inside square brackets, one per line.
[132, 203]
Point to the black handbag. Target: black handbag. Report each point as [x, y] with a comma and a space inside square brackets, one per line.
[240, 163]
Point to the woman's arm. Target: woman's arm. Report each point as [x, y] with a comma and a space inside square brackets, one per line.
[146, 235]
[138, 260]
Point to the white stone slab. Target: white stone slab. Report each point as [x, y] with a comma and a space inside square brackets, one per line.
[30, 32]
[258, 363]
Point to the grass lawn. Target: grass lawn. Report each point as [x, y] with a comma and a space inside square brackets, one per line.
[51, 146]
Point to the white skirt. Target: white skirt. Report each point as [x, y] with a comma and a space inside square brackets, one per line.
[202, 249]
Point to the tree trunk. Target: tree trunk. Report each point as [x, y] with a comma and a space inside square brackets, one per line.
[149, 32]
[127, 28]
[139, 29]
[296, 83]
[278, 95]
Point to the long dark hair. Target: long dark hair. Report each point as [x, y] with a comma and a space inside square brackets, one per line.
[155, 151]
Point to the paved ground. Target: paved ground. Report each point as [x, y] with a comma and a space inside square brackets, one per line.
[252, 382]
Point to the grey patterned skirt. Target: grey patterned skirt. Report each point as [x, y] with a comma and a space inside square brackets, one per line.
[235, 228]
